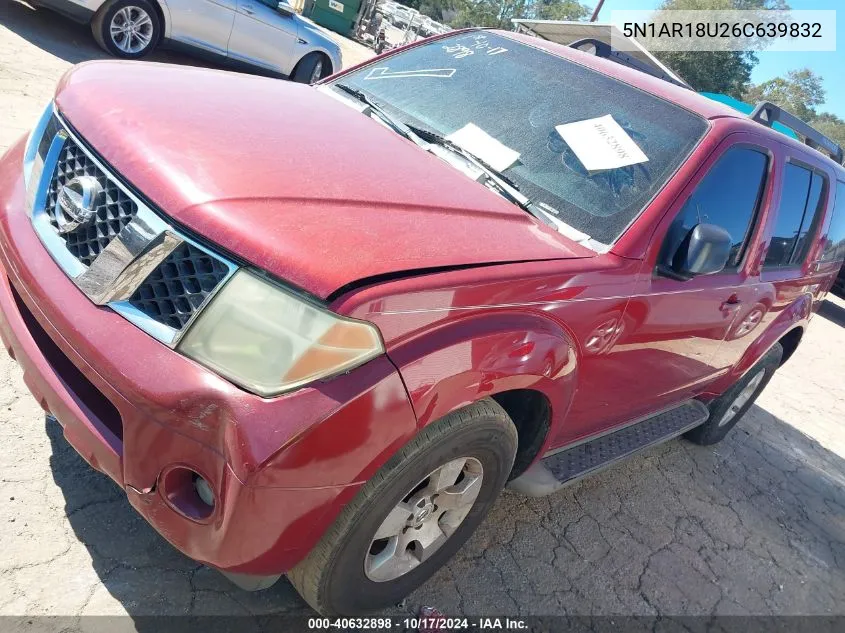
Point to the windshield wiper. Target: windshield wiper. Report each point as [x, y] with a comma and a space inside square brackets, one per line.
[437, 139]
[506, 187]
[393, 123]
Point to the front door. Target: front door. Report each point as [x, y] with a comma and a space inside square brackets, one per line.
[262, 36]
[676, 329]
[206, 24]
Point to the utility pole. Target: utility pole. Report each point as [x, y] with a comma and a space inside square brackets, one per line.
[595, 15]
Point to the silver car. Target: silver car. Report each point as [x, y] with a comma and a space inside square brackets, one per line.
[262, 34]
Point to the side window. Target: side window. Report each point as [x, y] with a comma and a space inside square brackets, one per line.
[728, 196]
[801, 203]
[834, 249]
[812, 214]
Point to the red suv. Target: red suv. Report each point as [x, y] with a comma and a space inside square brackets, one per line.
[316, 331]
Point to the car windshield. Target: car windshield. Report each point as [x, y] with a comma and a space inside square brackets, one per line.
[505, 99]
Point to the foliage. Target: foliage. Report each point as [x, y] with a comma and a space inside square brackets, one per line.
[559, 10]
[498, 13]
[727, 72]
[799, 92]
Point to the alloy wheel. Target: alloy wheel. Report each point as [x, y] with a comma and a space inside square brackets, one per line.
[742, 399]
[317, 72]
[424, 519]
[131, 30]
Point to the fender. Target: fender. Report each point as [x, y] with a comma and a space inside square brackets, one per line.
[165, 14]
[479, 355]
[795, 316]
[317, 49]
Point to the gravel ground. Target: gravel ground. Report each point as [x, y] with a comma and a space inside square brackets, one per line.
[754, 525]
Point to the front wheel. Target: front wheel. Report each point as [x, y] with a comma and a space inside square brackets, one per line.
[727, 409]
[310, 69]
[413, 515]
[127, 28]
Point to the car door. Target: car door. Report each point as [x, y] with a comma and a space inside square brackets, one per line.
[205, 24]
[794, 266]
[262, 36]
[676, 328]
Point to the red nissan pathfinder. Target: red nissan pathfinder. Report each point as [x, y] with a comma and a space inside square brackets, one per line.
[315, 331]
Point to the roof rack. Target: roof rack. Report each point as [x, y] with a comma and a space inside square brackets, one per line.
[603, 49]
[767, 113]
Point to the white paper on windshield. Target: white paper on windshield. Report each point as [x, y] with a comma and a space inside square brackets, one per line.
[601, 143]
[478, 142]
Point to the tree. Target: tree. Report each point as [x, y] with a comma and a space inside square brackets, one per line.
[559, 10]
[799, 92]
[499, 13]
[727, 72]
[831, 126]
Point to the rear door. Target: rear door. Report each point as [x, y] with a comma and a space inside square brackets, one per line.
[263, 37]
[794, 265]
[205, 24]
[833, 251]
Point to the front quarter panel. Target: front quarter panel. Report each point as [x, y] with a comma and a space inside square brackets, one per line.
[311, 39]
[474, 356]
[462, 336]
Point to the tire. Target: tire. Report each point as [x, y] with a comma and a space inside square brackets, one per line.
[114, 14]
[310, 68]
[333, 578]
[722, 418]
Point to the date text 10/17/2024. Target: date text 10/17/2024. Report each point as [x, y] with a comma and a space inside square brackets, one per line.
[423, 624]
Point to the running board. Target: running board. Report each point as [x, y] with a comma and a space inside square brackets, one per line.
[553, 472]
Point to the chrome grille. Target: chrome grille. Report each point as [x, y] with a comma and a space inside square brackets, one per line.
[122, 254]
[179, 286]
[114, 209]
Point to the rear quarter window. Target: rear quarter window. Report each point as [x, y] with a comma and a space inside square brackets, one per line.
[802, 201]
[834, 249]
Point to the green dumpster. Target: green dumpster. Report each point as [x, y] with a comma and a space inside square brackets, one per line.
[336, 15]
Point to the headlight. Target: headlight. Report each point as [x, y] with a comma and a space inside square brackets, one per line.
[267, 340]
[31, 151]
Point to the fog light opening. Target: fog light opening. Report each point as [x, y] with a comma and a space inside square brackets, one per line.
[206, 494]
[188, 492]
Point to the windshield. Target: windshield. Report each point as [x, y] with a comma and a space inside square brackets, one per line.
[507, 102]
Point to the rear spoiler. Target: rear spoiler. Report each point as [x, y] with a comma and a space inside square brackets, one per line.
[767, 113]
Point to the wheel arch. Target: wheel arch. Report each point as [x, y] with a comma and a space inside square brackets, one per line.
[527, 363]
[531, 412]
[789, 342]
[327, 59]
[164, 15]
[787, 329]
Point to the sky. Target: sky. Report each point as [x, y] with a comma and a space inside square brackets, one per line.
[828, 65]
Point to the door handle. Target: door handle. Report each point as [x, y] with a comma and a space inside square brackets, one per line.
[731, 304]
[247, 9]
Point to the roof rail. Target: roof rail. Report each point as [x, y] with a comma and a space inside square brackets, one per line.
[767, 113]
[603, 49]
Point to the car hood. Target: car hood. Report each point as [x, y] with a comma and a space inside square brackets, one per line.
[289, 179]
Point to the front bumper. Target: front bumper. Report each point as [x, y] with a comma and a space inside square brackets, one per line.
[281, 468]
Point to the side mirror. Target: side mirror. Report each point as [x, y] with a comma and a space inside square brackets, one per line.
[285, 9]
[704, 251]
